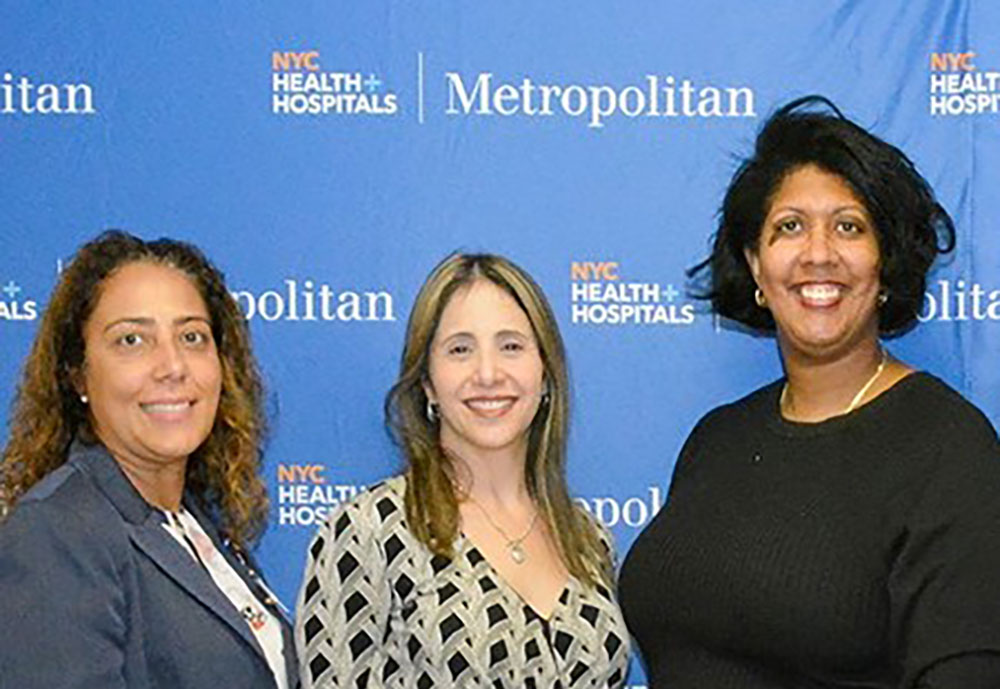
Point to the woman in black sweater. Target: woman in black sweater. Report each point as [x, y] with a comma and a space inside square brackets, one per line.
[839, 527]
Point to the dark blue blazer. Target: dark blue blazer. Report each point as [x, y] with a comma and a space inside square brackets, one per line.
[95, 594]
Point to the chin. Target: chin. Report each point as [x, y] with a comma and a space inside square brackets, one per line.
[495, 443]
[175, 451]
[824, 347]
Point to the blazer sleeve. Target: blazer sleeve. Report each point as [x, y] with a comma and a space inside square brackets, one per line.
[62, 604]
[343, 607]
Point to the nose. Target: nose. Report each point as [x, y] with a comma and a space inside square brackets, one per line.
[487, 370]
[171, 362]
[820, 247]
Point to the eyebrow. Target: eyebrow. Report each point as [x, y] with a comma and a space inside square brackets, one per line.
[838, 209]
[502, 333]
[505, 333]
[146, 321]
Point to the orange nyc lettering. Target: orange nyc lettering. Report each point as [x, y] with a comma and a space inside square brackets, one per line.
[952, 62]
[293, 473]
[287, 61]
[593, 270]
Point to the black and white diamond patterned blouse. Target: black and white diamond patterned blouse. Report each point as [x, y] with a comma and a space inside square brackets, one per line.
[377, 609]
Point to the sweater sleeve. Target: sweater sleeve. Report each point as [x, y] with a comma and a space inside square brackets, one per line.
[945, 580]
[62, 604]
[343, 607]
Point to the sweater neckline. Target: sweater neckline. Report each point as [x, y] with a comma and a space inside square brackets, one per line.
[837, 424]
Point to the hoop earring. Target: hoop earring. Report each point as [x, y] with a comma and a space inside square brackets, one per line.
[759, 297]
[432, 411]
[882, 298]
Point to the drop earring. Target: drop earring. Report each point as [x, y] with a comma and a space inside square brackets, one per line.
[432, 412]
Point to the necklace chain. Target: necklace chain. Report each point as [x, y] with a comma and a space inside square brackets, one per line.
[514, 545]
[783, 400]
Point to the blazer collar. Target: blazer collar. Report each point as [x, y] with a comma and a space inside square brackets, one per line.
[145, 528]
[109, 478]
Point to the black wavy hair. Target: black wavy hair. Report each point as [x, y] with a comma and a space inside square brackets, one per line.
[911, 226]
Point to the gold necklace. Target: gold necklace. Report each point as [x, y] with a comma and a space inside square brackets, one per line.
[514, 545]
[783, 402]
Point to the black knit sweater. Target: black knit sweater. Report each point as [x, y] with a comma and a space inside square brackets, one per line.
[863, 551]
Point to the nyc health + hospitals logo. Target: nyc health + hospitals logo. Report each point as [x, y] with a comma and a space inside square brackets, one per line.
[958, 86]
[601, 295]
[306, 496]
[300, 85]
[303, 84]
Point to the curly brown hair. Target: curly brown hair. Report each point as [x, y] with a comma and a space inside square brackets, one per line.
[431, 500]
[47, 415]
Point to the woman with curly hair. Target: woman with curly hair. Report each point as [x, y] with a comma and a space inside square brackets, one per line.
[132, 488]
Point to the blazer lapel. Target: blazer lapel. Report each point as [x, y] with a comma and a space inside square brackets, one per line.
[243, 567]
[152, 539]
[145, 526]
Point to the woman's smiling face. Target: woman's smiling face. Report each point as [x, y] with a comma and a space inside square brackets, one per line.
[485, 372]
[817, 264]
[151, 370]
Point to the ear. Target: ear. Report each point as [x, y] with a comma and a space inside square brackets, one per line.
[429, 391]
[78, 381]
[753, 260]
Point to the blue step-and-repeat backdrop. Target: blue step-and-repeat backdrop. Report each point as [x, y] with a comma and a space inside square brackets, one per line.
[327, 154]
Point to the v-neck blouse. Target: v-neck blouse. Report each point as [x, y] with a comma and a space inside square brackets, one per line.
[474, 554]
[378, 609]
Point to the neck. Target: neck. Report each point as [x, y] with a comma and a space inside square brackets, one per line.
[491, 478]
[821, 388]
[160, 486]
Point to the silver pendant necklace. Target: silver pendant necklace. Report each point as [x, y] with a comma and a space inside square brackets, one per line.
[515, 546]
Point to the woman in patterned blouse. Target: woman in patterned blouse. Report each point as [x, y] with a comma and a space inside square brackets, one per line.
[473, 568]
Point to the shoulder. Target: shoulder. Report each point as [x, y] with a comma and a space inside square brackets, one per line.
[66, 497]
[749, 408]
[359, 532]
[63, 523]
[721, 429]
[939, 429]
[933, 404]
[959, 443]
[370, 509]
[748, 412]
[382, 499]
